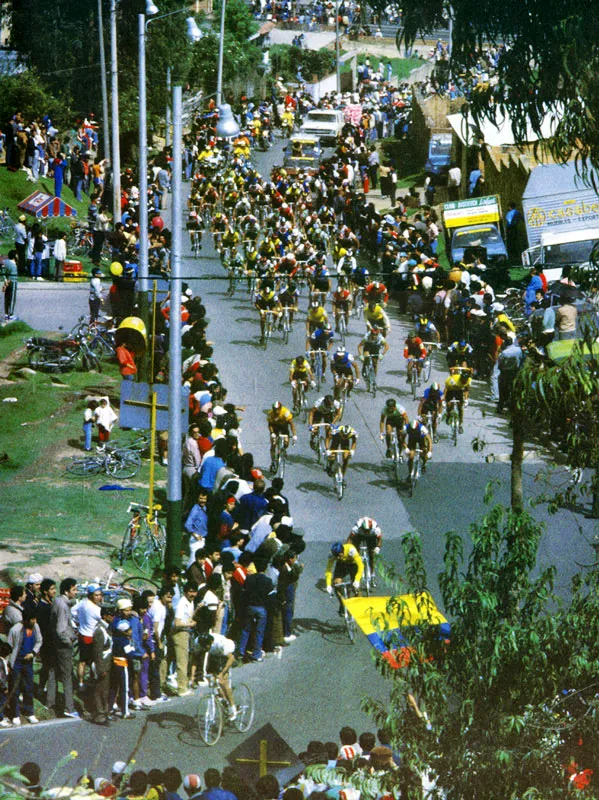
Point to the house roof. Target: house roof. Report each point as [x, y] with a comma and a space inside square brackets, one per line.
[495, 134]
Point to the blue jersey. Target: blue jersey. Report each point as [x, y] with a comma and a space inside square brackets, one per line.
[433, 395]
[321, 338]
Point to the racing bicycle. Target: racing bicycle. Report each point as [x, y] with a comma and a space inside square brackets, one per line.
[368, 582]
[300, 404]
[286, 322]
[396, 454]
[416, 470]
[145, 538]
[279, 461]
[118, 462]
[269, 326]
[213, 710]
[317, 358]
[345, 590]
[453, 419]
[369, 374]
[338, 477]
[321, 441]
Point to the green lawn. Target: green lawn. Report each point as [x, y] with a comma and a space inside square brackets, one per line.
[402, 67]
[39, 433]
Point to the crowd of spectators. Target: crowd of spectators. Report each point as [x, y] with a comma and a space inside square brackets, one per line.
[364, 756]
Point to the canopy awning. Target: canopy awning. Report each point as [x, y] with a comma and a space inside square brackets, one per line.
[385, 626]
[40, 204]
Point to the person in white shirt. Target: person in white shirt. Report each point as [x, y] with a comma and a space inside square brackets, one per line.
[182, 627]
[87, 614]
[60, 255]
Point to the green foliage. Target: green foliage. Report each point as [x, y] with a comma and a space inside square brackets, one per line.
[286, 60]
[513, 692]
[551, 67]
[27, 93]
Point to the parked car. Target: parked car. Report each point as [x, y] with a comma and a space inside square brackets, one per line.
[327, 124]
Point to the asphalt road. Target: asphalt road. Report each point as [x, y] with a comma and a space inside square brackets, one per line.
[316, 686]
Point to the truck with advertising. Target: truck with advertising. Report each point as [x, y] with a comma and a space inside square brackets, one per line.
[561, 215]
[474, 226]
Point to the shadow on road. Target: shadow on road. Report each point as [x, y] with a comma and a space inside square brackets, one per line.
[245, 343]
[183, 726]
[312, 486]
[333, 631]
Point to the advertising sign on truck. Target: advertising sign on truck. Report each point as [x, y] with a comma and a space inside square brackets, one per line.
[474, 226]
[475, 211]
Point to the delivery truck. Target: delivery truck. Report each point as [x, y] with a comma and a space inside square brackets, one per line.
[561, 214]
[474, 226]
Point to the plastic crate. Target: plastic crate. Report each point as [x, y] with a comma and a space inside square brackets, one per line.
[72, 266]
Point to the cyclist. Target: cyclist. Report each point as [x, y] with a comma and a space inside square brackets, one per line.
[317, 318]
[231, 237]
[234, 262]
[280, 421]
[371, 345]
[344, 562]
[267, 301]
[194, 226]
[343, 438]
[375, 317]
[342, 302]
[417, 435]
[320, 282]
[393, 417]
[219, 657]
[426, 329]
[289, 298]
[415, 351]
[325, 409]
[367, 531]
[347, 263]
[219, 226]
[459, 354]
[432, 402]
[300, 372]
[378, 292]
[345, 371]
[457, 387]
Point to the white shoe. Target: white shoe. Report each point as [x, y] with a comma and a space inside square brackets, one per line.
[16, 721]
[136, 704]
[146, 702]
[43, 280]
[203, 682]
[291, 638]
[32, 719]
[5, 723]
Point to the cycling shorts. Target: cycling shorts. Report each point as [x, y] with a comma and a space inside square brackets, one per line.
[344, 569]
[343, 372]
[454, 394]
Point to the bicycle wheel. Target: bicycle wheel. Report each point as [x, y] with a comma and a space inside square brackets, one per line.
[454, 430]
[136, 584]
[414, 383]
[82, 467]
[146, 554]
[322, 450]
[90, 362]
[123, 464]
[282, 463]
[397, 465]
[209, 717]
[101, 348]
[339, 486]
[414, 475]
[160, 534]
[426, 370]
[365, 582]
[126, 550]
[244, 702]
[350, 625]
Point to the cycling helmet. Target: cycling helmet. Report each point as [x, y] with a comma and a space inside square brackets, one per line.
[300, 359]
[193, 214]
[375, 330]
[291, 286]
[344, 431]
[423, 320]
[462, 343]
[367, 523]
[391, 402]
[277, 405]
[376, 285]
[328, 399]
[435, 387]
[320, 255]
[314, 304]
[327, 327]
[414, 424]
[268, 294]
[337, 549]
[341, 350]
[343, 252]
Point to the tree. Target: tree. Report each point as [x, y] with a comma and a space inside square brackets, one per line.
[550, 67]
[512, 698]
[561, 398]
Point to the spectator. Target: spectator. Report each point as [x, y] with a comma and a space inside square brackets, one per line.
[101, 666]
[5, 651]
[60, 256]
[63, 638]
[13, 612]
[258, 595]
[126, 360]
[213, 790]
[182, 627]
[25, 640]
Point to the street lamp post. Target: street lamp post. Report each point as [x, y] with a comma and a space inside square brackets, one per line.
[226, 127]
[106, 118]
[337, 49]
[174, 510]
[114, 89]
[193, 33]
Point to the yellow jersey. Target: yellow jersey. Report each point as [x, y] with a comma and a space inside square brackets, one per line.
[349, 555]
[457, 383]
[318, 315]
[280, 418]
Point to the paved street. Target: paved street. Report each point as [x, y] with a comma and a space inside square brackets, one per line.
[316, 686]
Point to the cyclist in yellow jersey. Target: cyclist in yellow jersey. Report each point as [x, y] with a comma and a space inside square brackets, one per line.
[375, 317]
[457, 387]
[280, 420]
[344, 562]
[317, 318]
[300, 372]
